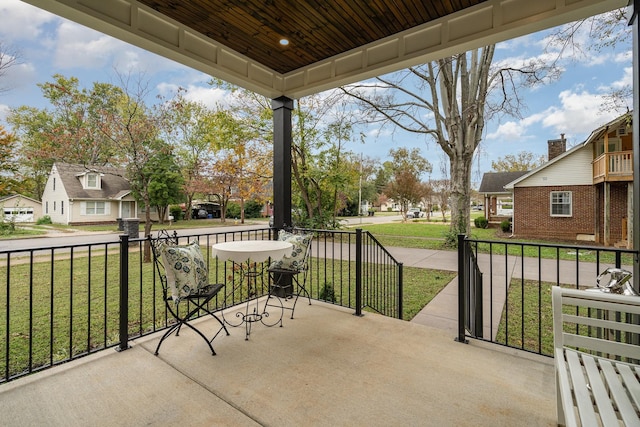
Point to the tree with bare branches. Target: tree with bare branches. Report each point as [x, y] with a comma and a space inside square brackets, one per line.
[9, 57]
[449, 101]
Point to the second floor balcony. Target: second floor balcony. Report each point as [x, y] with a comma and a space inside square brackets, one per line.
[614, 166]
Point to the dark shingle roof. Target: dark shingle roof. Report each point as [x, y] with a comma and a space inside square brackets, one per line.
[113, 181]
[494, 182]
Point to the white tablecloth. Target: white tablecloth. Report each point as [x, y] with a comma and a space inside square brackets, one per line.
[250, 250]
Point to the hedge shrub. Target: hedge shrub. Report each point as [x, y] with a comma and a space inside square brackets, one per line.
[481, 222]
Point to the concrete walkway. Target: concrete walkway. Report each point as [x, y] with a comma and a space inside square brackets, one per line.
[498, 274]
[442, 311]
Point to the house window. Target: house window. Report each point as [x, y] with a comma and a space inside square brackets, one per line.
[54, 206]
[54, 184]
[95, 208]
[561, 204]
[92, 180]
[46, 207]
[62, 207]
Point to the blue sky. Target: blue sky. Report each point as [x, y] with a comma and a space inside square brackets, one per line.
[572, 105]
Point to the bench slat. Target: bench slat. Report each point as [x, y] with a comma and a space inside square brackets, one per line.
[604, 346]
[593, 388]
[600, 300]
[580, 390]
[618, 393]
[600, 394]
[631, 381]
[566, 413]
[601, 323]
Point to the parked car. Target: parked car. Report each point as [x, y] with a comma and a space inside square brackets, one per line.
[478, 207]
[415, 213]
[201, 213]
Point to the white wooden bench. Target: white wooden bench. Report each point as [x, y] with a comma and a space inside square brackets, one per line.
[596, 358]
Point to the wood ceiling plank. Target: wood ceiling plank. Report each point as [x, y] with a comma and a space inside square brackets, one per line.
[316, 30]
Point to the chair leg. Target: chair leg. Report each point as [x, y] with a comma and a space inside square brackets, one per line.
[184, 321]
[299, 289]
[166, 334]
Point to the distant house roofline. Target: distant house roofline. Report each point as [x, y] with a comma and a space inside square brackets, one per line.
[494, 182]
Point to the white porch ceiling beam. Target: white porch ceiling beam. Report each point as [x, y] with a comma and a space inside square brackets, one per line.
[487, 23]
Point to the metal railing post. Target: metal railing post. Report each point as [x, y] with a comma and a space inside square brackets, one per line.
[124, 293]
[461, 288]
[358, 272]
[400, 291]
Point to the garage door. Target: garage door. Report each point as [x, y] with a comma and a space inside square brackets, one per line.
[18, 214]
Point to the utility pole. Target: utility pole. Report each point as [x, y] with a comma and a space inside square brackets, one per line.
[360, 192]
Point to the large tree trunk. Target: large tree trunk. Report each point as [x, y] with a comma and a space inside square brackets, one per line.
[460, 197]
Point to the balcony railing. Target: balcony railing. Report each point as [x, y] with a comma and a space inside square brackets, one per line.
[505, 287]
[65, 302]
[616, 166]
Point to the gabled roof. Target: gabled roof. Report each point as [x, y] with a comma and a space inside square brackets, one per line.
[620, 121]
[112, 186]
[17, 195]
[595, 135]
[494, 182]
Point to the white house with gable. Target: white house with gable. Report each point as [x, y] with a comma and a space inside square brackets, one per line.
[78, 194]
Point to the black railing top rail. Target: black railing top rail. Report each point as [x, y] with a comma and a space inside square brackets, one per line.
[381, 247]
[555, 245]
[57, 247]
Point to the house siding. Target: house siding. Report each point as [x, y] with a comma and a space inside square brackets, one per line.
[574, 169]
[532, 218]
[49, 196]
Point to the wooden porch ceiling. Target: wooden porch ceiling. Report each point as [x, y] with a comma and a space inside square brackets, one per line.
[331, 43]
[316, 30]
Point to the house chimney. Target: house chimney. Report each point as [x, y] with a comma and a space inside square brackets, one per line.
[557, 147]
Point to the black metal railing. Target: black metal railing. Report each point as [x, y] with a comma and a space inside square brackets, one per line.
[513, 282]
[61, 303]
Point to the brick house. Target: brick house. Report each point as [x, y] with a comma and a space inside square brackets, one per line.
[585, 193]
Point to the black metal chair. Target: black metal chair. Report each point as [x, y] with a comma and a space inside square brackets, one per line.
[185, 282]
[291, 271]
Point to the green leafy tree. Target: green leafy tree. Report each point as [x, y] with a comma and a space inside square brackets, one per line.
[8, 165]
[166, 182]
[405, 187]
[191, 127]
[133, 129]
[69, 130]
[523, 161]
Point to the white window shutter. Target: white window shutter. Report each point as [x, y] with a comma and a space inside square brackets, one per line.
[83, 208]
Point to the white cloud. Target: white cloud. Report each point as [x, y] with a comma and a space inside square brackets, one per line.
[80, 47]
[18, 76]
[515, 131]
[210, 96]
[626, 56]
[578, 114]
[23, 21]
[4, 112]
[625, 81]
[509, 131]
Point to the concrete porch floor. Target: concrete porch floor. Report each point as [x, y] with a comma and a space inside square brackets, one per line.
[326, 367]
